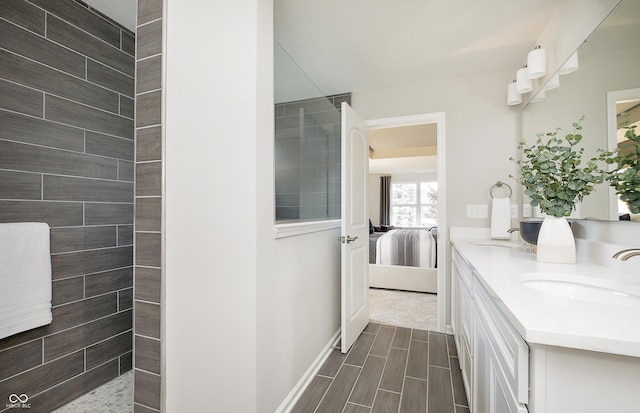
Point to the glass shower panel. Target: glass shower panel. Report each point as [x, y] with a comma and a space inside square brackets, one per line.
[307, 146]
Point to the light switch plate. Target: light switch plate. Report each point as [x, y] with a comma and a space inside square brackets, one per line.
[477, 211]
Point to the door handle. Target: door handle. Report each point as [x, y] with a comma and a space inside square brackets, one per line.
[347, 239]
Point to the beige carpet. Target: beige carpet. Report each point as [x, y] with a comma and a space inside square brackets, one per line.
[403, 308]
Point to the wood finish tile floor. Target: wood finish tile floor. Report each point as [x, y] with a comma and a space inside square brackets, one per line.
[389, 370]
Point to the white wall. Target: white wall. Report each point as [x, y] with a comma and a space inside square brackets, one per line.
[212, 100]
[298, 309]
[246, 314]
[482, 132]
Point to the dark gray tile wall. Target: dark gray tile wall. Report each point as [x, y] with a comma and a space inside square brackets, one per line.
[148, 209]
[307, 158]
[66, 158]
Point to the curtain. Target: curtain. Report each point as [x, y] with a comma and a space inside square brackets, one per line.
[385, 200]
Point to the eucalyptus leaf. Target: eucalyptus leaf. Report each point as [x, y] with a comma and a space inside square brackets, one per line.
[551, 174]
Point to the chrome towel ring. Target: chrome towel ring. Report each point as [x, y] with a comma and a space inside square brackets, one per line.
[500, 184]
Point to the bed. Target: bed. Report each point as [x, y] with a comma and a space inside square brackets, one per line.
[404, 259]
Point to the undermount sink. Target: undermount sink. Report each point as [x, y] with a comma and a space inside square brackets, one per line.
[504, 244]
[582, 288]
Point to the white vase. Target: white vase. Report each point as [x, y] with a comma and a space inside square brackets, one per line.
[634, 217]
[556, 243]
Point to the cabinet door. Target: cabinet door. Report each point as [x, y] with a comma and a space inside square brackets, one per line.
[480, 398]
[501, 398]
[491, 391]
[455, 304]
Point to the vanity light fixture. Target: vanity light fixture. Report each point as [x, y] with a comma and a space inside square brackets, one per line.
[536, 63]
[553, 83]
[513, 97]
[571, 65]
[523, 83]
[539, 97]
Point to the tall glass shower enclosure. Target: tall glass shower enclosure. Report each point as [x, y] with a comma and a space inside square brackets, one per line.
[307, 145]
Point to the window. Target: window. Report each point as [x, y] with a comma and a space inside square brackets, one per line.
[414, 204]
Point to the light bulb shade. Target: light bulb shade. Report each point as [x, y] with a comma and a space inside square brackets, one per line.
[513, 97]
[539, 97]
[553, 83]
[536, 63]
[571, 65]
[523, 83]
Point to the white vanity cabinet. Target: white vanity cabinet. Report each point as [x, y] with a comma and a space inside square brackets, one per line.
[462, 316]
[501, 360]
[527, 351]
[493, 357]
[492, 393]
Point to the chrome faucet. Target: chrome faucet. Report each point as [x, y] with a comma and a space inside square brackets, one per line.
[626, 254]
[510, 230]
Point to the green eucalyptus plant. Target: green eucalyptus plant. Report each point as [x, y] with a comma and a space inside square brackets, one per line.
[552, 174]
[625, 178]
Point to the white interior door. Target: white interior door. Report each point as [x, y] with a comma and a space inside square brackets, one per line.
[355, 227]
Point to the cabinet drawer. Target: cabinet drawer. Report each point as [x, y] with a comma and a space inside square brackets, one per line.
[512, 352]
[464, 269]
[466, 317]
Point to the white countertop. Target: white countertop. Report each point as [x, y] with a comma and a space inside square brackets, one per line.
[543, 318]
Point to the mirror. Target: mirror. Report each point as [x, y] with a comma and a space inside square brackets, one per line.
[608, 61]
[623, 108]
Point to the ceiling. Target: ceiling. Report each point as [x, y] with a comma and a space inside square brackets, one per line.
[356, 45]
[365, 45]
[403, 149]
[350, 46]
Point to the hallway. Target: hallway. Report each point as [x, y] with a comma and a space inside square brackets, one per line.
[389, 369]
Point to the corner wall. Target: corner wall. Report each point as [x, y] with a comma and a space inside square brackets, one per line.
[214, 106]
[148, 214]
[66, 158]
[245, 314]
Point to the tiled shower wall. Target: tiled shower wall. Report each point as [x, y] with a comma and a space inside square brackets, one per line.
[66, 158]
[148, 202]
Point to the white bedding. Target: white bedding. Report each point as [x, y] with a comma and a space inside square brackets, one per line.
[420, 276]
[387, 249]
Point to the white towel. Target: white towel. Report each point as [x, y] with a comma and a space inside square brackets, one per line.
[25, 277]
[500, 218]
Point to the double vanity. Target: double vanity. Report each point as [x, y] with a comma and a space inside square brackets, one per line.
[543, 338]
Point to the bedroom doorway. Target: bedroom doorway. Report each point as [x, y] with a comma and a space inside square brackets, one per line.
[418, 153]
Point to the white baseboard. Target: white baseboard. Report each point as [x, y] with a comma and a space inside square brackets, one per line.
[449, 329]
[294, 395]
